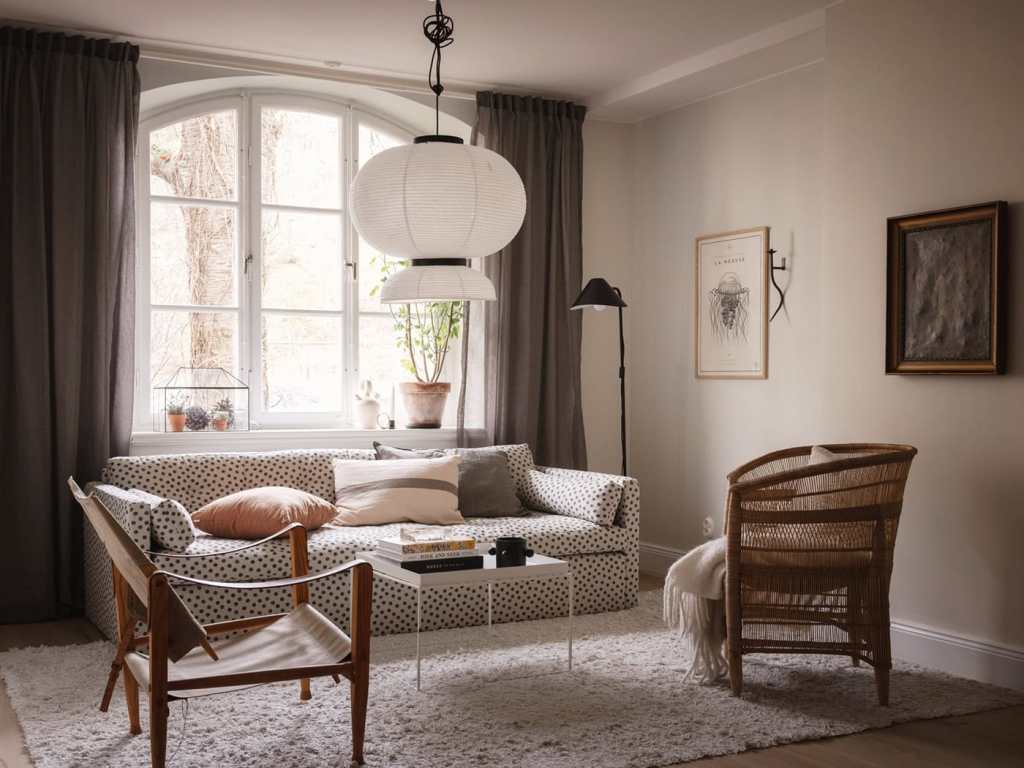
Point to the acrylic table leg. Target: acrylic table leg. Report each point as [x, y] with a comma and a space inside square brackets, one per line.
[490, 604]
[570, 620]
[419, 624]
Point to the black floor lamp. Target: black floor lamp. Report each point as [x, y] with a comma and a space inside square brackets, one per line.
[597, 294]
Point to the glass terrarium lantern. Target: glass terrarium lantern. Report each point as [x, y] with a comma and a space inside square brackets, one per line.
[201, 400]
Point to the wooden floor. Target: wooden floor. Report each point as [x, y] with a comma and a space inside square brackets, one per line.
[988, 740]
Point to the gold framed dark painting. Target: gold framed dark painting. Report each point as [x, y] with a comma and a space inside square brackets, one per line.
[946, 294]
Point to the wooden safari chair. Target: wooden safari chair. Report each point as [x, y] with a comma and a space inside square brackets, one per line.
[183, 662]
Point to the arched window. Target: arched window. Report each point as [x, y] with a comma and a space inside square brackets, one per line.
[248, 260]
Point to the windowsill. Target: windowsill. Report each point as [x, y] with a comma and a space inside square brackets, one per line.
[151, 443]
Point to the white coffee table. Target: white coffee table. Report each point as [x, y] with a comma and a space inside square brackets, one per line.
[537, 567]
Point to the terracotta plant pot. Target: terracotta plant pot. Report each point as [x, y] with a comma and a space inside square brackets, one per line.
[424, 403]
[176, 422]
[221, 425]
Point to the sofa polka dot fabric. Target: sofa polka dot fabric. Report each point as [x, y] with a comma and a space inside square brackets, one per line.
[170, 524]
[594, 499]
[604, 560]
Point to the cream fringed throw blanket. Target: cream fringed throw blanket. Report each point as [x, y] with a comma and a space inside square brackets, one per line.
[695, 603]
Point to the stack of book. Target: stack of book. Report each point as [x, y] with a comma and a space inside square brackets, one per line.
[426, 555]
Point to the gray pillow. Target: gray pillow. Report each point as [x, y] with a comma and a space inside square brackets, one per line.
[486, 488]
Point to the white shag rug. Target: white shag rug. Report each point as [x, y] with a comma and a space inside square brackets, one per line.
[491, 700]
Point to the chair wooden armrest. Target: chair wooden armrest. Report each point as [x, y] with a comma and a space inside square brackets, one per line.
[294, 581]
[183, 555]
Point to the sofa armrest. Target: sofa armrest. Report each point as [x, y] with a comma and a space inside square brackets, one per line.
[131, 510]
[628, 514]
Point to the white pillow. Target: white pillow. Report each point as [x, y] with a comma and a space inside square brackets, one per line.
[397, 490]
[821, 455]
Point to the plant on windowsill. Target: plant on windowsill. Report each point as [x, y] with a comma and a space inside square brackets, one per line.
[425, 332]
[176, 417]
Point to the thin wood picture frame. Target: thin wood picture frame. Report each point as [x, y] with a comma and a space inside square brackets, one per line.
[946, 291]
[731, 272]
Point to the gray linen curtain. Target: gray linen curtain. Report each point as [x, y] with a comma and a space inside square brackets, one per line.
[531, 339]
[69, 109]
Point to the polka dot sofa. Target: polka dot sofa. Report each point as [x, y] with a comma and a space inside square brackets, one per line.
[604, 558]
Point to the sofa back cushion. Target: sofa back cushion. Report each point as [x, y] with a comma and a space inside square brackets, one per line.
[196, 479]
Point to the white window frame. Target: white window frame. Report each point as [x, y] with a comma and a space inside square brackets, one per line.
[247, 104]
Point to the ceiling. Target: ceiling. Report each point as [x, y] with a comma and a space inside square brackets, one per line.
[626, 59]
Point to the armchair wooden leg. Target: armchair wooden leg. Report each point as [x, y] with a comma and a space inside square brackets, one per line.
[362, 597]
[304, 693]
[854, 619]
[882, 684]
[360, 693]
[131, 697]
[108, 692]
[736, 673]
[158, 730]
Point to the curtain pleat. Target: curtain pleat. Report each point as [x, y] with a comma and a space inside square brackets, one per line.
[532, 342]
[69, 110]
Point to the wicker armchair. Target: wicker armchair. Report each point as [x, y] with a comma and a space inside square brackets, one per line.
[809, 555]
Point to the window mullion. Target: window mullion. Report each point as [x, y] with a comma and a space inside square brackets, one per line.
[348, 152]
[252, 259]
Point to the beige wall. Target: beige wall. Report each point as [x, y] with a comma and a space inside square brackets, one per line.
[607, 253]
[918, 105]
[749, 158]
[924, 108]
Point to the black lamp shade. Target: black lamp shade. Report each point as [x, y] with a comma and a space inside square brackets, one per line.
[597, 293]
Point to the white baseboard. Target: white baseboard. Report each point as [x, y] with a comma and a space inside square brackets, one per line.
[656, 559]
[958, 655]
[916, 643]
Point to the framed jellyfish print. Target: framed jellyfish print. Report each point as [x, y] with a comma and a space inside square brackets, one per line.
[946, 291]
[731, 305]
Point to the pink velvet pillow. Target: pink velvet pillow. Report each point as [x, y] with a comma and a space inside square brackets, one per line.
[260, 512]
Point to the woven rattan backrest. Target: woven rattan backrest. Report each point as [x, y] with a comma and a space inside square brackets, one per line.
[830, 501]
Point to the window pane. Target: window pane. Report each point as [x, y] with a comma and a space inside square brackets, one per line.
[301, 158]
[192, 254]
[373, 140]
[196, 157]
[302, 367]
[380, 358]
[301, 260]
[196, 339]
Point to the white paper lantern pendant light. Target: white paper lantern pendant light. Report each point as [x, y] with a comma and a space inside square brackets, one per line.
[437, 202]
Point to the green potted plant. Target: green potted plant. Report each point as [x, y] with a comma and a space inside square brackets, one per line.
[425, 332]
[176, 417]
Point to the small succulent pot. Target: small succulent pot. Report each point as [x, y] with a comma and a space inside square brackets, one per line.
[220, 421]
[176, 422]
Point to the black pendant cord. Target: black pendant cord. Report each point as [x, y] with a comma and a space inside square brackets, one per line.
[438, 29]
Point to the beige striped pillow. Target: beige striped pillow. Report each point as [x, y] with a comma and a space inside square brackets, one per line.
[397, 491]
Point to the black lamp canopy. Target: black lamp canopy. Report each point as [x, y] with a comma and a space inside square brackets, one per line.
[597, 293]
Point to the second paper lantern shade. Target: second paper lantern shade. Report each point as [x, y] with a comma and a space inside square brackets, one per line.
[437, 200]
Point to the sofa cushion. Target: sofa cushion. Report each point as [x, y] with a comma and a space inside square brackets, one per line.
[196, 479]
[415, 490]
[169, 522]
[589, 497]
[553, 535]
[486, 487]
[260, 512]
